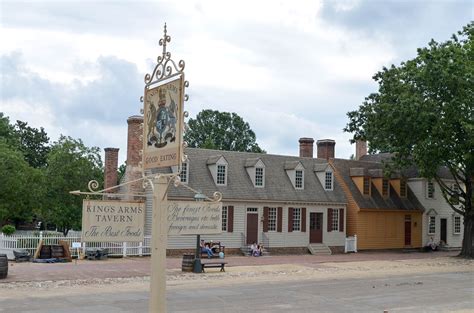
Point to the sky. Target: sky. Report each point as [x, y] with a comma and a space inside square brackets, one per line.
[290, 69]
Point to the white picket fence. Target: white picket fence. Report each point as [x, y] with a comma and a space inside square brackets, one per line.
[351, 244]
[30, 242]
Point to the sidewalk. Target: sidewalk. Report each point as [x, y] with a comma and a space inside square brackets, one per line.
[139, 267]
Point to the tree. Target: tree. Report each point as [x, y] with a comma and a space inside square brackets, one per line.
[33, 143]
[71, 165]
[21, 187]
[423, 114]
[221, 131]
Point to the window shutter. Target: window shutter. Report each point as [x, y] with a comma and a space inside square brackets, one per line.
[303, 219]
[230, 218]
[329, 219]
[265, 219]
[341, 220]
[280, 220]
[290, 220]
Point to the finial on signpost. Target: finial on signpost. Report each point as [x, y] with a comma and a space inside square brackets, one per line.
[163, 41]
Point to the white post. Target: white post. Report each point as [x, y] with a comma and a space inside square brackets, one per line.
[345, 244]
[41, 235]
[159, 238]
[355, 243]
[124, 249]
[140, 249]
[84, 248]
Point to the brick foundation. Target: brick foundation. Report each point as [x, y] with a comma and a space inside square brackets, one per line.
[336, 249]
[288, 250]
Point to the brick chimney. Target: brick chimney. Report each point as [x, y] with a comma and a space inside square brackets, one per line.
[111, 165]
[306, 147]
[326, 148]
[361, 149]
[134, 144]
[133, 170]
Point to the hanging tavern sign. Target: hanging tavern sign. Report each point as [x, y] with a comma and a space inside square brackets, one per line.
[162, 124]
[163, 119]
[104, 220]
[194, 218]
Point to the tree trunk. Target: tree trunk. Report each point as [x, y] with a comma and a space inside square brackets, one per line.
[467, 250]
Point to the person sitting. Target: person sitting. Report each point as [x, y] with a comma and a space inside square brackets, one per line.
[215, 247]
[260, 249]
[254, 249]
[431, 245]
[205, 248]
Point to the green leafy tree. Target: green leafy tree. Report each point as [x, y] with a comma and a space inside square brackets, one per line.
[221, 131]
[21, 187]
[71, 165]
[33, 143]
[7, 131]
[423, 114]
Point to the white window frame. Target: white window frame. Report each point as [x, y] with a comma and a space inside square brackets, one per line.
[457, 226]
[328, 180]
[296, 219]
[257, 176]
[335, 220]
[184, 177]
[299, 180]
[431, 224]
[272, 219]
[219, 175]
[224, 218]
[430, 190]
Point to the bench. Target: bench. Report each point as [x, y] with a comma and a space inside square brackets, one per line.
[216, 247]
[213, 264]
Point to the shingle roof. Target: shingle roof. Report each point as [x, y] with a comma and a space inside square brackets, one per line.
[320, 167]
[278, 186]
[251, 162]
[375, 201]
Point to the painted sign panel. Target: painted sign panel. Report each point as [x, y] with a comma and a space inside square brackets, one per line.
[104, 220]
[194, 218]
[163, 125]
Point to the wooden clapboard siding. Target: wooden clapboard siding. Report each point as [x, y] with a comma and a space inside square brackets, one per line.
[352, 207]
[386, 230]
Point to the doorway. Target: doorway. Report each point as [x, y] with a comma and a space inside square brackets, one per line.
[443, 235]
[252, 225]
[315, 227]
[407, 230]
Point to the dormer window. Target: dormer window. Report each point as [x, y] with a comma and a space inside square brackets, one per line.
[403, 188]
[221, 174]
[295, 172]
[256, 171]
[385, 185]
[218, 167]
[366, 186]
[183, 175]
[328, 181]
[299, 179]
[430, 190]
[259, 177]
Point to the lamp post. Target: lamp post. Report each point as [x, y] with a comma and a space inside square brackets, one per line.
[199, 197]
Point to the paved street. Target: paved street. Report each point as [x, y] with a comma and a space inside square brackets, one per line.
[439, 292]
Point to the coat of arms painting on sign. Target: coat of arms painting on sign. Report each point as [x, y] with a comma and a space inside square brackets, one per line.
[162, 129]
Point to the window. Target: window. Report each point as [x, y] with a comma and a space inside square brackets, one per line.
[403, 188]
[252, 210]
[366, 185]
[431, 224]
[335, 220]
[272, 219]
[221, 174]
[430, 190]
[184, 172]
[457, 224]
[328, 181]
[298, 179]
[385, 187]
[259, 176]
[224, 218]
[296, 219]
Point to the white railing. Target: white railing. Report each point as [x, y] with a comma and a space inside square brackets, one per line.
[30, 243]
[351, 244]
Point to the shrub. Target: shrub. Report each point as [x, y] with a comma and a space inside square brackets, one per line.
[8, 229]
